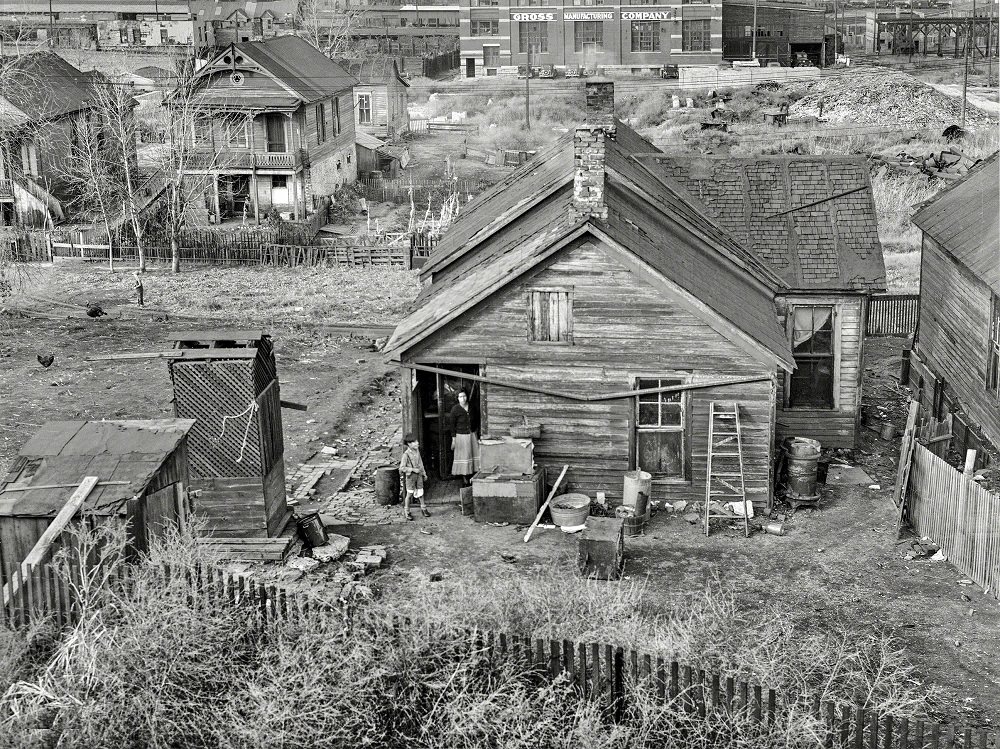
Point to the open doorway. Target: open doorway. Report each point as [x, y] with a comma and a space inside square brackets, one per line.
[437, 394]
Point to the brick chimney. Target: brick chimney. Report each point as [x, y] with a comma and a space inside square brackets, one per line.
[589, 141]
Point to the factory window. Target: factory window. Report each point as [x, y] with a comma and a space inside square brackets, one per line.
[485, 28]
[645, 36]
[364, 109]
[491, 57]
[550, 316]
[696, 36]
[533, 37]
[588, 3]
[993, 356]
[659, 428]
[588, 36]
[812, 348]
[485, 3]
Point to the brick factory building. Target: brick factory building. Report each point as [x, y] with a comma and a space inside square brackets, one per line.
[640, 39]
[786, 33]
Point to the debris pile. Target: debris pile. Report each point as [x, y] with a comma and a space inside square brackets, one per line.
[951, 163]
[885, 98]
[920, 548]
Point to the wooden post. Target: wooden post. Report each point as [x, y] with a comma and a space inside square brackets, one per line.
[970, 463]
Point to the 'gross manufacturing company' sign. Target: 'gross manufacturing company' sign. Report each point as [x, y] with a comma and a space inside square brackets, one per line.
[532, 16]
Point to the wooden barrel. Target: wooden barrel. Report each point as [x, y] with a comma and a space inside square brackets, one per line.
[387, 485]
[803, 458]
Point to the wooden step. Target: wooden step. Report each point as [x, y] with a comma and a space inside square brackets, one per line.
[251, 549]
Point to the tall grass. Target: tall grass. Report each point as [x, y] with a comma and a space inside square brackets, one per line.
[896, 197]
[157, 663]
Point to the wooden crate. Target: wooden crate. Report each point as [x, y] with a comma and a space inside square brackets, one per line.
[511, 499]
[601, 550]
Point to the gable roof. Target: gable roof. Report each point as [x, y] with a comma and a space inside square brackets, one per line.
[302, 70]
[792, 211]
[42, 86]
[129, 452]
[965, 220]
[521, 221]
[375, 70]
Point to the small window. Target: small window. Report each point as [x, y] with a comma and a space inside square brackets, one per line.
[550, 316]
[812, 348]
[336, 117]
[364, 109]
[993, 356]
[660, 421]
[320, 123]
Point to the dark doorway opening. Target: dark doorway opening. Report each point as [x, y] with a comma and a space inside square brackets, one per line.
[437, 395]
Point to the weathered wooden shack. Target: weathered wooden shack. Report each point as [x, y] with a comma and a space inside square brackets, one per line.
[143, 479]
[381, 97]
[955, 361]
[812, 220]
[589, 295]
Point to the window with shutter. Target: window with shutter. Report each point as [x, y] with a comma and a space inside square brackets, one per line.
[550, 316]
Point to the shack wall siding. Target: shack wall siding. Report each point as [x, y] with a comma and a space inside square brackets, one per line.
[836, 427]
[953, 334]
[622, 328]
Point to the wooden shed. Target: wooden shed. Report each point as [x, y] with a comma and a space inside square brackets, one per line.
[955, 362]
[587, 294]
[226, 380]
[812, 220]
[142, 467]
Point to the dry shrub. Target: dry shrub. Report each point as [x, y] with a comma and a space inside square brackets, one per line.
[707, 630]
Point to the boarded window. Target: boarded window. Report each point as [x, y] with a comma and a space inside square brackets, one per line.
[812, 347]
[320, 123]
[993, 356]
[660, 421]
[550, 316]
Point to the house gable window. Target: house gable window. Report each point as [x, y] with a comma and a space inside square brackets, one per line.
[993, 355]
[550, 316]
[812, 346]
[660, 423]
[364, 109]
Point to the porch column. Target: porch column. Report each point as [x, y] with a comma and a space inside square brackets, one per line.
[215, 192]
[253, 170]
[256, 201]
[295, 194]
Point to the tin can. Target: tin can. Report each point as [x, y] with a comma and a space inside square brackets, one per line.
[775, 529]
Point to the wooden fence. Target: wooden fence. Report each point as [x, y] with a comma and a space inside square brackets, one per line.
[399, 190]
[959, 515]
[892, 314]
[599, 671]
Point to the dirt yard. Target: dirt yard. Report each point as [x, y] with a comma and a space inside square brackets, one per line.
[839, 566]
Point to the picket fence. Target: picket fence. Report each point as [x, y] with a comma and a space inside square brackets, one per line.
[959, 515]
[599, 671]
[892, 314]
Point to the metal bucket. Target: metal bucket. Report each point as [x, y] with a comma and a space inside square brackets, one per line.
[387, 485]
[636, 483]
[803, 459]
[312, 530]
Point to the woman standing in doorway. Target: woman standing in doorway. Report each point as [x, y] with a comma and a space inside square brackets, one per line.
[464, 442]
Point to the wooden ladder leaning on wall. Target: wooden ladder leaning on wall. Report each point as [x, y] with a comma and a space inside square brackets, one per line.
[724, 474]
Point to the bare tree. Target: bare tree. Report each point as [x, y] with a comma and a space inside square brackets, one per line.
[328, 26]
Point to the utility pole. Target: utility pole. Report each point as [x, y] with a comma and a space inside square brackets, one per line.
[836, 47]
[51, 26]
[965, 77]
[527, 91]
[753, 42]
[875, 44]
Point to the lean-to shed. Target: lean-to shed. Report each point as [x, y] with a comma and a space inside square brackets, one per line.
[143, 478]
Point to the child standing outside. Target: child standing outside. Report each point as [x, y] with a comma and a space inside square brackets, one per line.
[411, 466]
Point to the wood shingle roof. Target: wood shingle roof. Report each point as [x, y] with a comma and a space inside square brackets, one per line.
[812, 219]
